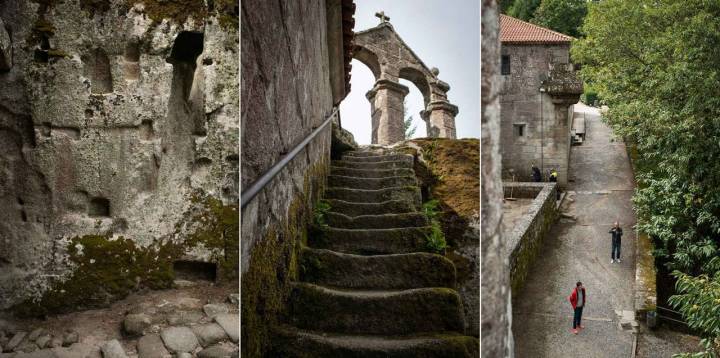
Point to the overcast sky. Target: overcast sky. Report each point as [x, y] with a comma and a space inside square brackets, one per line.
[444, 34]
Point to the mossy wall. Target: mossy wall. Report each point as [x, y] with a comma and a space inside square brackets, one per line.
[105, 268]
[273, 266]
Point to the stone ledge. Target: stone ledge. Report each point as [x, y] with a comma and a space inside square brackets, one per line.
[525, 239]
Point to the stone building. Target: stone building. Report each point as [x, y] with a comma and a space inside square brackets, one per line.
[538, 90]
[390, 59]
[118, 122]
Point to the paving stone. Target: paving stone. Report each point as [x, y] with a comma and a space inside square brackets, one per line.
[37, 332]
[189, 303]
[70, 338]
[229, 322]
[43, 353]
[215, 351]
[183, 283]
[184, 355]
[113, 349]
[179, 339]
[209, 334]
[78, 350]
[151, 346]
[182, 318]
[55, 342]
[214, 309]
[43, 341]
[15, 341]
[234, 298]
[135, 324]
[27, 347]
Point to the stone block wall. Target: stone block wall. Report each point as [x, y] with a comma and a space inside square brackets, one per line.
[287, 91]
[119, 123]
[545, 140]
[525, 239]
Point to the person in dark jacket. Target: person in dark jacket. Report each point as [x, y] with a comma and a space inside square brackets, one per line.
[577, 299]
[537, 176]
[553, 179]
[616, 234]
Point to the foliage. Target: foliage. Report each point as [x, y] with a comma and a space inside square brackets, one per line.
[435, 241]
[407, 123]
[523, 9]
[504, 5]
[564, 16]
[320, 213]
[699, 302]
[655, 65]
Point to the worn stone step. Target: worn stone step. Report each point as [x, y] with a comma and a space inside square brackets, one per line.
[372, 241]
[417, 310]
[379, 158]
[381, 221]
[400, 271]
[370, 183]
[295, 343]
[408, 193]
[371, 173]
[356, 209]
[368, 153]
[372, 165]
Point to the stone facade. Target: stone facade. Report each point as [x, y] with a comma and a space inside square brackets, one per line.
[527, 235]
[289, 87]
[119, 123]
[390, 59]
[496, 339]
[535, 100]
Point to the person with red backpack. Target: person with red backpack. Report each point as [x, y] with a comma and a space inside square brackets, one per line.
[577, 300]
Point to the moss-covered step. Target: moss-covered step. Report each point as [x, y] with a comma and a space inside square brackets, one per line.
[400, 271]
[380, 221]
[291, 342]
[408, 193]
[380, 158]
[368, 153]
[395, 164]
[385, 312]
[340, 181]
[356, 209]
[372, 241]
[371, 173]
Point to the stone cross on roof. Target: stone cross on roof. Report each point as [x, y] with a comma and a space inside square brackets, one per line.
[383, 18]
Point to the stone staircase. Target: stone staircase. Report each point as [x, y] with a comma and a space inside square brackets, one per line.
[368, 286]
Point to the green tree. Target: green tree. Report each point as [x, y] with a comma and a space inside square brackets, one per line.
[523, 9]
[504, 5]
[656, 65]
[564, 16]
[407, 123]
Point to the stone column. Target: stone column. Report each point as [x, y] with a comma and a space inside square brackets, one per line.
[440, 119]
[386, 101]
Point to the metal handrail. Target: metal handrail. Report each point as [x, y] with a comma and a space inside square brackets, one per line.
[255, 188]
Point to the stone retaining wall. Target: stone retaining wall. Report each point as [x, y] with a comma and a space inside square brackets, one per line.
[523, 242]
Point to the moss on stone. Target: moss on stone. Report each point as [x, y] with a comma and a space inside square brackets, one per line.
[274, 265]
[105, 269]
[177, 11]
[95, 6]
[228, 13]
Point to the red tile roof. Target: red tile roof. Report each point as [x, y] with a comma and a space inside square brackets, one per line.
[517, 31]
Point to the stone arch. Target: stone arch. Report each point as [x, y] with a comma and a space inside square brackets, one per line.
[391, 59]
[368, 58]
[419, 79]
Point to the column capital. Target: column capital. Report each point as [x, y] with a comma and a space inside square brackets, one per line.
[443, 105]
[389, 85]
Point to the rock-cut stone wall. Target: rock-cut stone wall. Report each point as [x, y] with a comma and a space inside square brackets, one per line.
[118, 120]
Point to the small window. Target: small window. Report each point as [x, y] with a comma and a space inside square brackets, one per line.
[519, 130]
[505, 65]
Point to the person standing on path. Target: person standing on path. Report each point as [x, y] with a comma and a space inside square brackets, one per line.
[553, 179]
[537, 176]
[616, 233]
[577, 300]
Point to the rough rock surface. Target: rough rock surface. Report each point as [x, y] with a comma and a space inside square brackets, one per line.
[151, 346]
[117, 119]
[113, 349]
[179, 339]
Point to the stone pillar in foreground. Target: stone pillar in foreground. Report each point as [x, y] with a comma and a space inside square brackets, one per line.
[495, 294]
[386, 102]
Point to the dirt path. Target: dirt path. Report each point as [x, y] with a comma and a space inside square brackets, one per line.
[599, 194]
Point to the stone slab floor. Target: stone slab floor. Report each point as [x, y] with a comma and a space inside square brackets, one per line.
[579, 250]
[513, 210]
